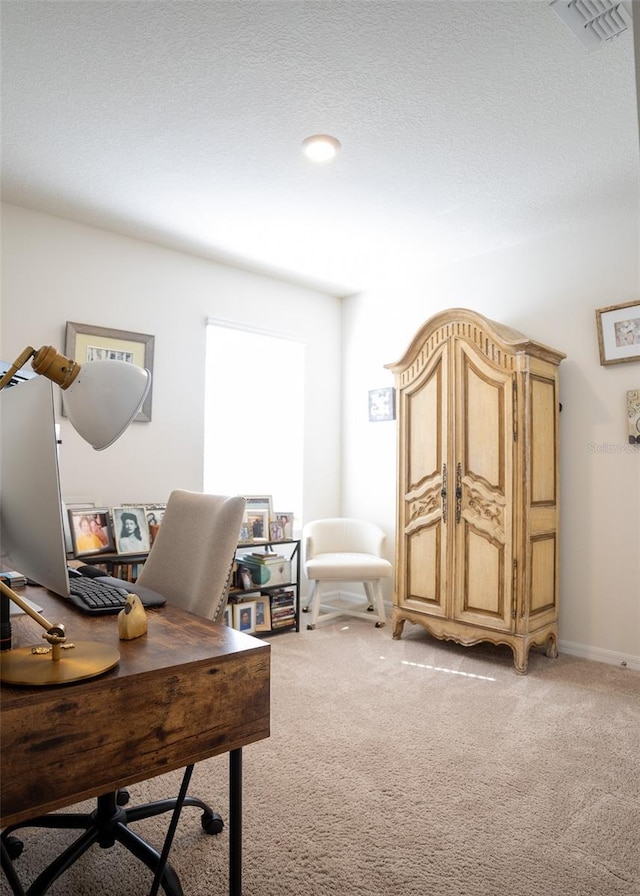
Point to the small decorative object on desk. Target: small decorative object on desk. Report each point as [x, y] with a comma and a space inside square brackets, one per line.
[132, 620]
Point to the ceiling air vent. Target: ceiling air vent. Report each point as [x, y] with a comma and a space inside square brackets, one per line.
[594, 21]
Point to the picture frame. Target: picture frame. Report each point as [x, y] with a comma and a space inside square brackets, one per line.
[618, 333]
[154, 513]
[382, 404]
[244, 617]
[263, 613]
[258, 502]
[258, 524]
[633, 416]
[85, 343]
[282, 525]
[131, 529]
[227, 618]
[245, 533]
[90, 530]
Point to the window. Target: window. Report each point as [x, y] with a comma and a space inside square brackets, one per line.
[254, 402]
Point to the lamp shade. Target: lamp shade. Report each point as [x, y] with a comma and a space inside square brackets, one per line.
[104, 398]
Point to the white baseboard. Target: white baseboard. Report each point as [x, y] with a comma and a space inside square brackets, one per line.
[600, 655]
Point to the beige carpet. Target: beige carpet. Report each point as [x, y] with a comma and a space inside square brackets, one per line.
[411, 768]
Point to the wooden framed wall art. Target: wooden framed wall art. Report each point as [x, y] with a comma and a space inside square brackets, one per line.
[86, 343]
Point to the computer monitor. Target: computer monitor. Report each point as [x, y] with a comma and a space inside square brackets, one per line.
[32, 536]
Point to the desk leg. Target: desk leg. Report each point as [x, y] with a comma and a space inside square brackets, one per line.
[235, 822]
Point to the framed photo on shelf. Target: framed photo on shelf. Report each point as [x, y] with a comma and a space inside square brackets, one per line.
[244, 617]
[283, 523]
[86, 343]
[258, 502]
[90, 529]
[131, 529]
[227, 619]
[263, 613]
[154, 513]
[619, 333]
[257, 515]
[258, 525]
[245, 532]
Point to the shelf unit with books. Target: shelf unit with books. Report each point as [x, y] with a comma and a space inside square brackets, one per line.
[265, 591]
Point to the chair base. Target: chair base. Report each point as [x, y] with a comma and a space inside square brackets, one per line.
[318, 601]
[105, 826]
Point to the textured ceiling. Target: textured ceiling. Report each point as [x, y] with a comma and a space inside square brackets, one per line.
[466, 126]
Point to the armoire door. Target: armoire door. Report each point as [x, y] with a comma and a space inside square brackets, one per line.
[423, 582]
[482, 521]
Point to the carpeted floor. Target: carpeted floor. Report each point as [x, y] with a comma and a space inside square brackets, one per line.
[407, 768]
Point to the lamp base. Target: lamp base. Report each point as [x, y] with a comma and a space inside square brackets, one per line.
[85, 659]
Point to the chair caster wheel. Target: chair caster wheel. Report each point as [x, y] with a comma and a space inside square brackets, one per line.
[14, 846]
[310, 627]
[212, 823]
[122, 797]
[379, 624]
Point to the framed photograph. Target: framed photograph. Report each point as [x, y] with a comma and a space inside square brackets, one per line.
[263, 613]
[245, 532]
[154, 513]
[284, 524]
[243, 578]
[633, 416]
[227, 618]
[131, 529]
[85, 343]
[244, 617]
[90, 529]
[258, 502]
[258, 524]
[619, 333]
[382, 404]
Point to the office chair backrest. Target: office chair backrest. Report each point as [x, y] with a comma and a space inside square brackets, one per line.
[191, 558]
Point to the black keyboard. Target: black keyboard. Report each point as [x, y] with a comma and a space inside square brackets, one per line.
[96, 597]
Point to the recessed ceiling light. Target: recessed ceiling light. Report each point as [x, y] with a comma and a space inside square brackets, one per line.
[321, 147]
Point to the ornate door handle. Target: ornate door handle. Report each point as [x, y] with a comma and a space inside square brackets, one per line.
[443, 493]
[458, 492]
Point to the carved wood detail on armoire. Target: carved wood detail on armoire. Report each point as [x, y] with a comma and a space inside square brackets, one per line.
[478, 485]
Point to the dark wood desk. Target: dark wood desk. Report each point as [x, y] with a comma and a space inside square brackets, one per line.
[187, 690]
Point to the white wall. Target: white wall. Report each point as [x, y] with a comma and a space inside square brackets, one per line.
[55, 271]
[549, 290]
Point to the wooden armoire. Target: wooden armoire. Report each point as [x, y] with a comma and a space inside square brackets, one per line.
[478, 485]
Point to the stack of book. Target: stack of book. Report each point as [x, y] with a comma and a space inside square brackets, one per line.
[267, 568]
[14, 579]
[283, 607]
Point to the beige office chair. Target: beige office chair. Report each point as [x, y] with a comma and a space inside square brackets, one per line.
[190, 564]
[342, 550]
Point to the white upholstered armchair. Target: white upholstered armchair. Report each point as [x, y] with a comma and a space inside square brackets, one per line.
[344, 550]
